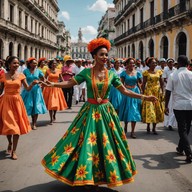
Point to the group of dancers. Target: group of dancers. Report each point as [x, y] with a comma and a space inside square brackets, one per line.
[94, 150]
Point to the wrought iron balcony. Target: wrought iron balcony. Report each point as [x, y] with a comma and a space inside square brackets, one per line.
[174, 12]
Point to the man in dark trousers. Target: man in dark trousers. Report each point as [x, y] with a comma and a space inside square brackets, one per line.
[180, 85]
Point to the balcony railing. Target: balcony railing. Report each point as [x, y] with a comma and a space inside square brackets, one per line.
[171, 13]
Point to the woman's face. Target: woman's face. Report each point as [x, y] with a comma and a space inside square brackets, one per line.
[117, 64]
[14, 65]
[54, 65]
[101, 57]
[130, 65]
[33, 64]
[153, 64]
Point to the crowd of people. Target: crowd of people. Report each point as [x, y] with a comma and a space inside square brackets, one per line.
[135, 89]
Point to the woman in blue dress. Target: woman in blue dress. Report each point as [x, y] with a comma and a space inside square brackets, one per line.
[130, 110]
[115, 95]
[33, 99]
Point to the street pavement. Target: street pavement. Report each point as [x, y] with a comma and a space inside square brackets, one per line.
[160, 169]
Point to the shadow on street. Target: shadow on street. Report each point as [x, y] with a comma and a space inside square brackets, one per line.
[60, 187]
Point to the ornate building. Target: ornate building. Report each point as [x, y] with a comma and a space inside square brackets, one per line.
[106, 29]
[157, 28]
[63, 40]
[79, 49]
[28, 28]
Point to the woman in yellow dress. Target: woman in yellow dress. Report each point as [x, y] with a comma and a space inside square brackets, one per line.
[152, 83]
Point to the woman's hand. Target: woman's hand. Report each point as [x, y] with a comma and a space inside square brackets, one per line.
[150, 98]
[35, 82]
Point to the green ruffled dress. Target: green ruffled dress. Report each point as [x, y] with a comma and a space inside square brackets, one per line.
[94, 150]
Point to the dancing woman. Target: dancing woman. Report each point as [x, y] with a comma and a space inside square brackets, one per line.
[130, 110]
[13, 116]
[115, 96]
[94, 150]
[53, 96]
[152, 84]
[33, 99]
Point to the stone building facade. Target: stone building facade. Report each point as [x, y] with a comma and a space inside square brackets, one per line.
[79, 49]
[157, 28]
[63, 40]
[28, 28]
[106, 29]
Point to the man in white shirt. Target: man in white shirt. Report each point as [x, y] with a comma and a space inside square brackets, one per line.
[169, 120]
[22, 66]
[162, 64]
[180, 85]
[79, 90]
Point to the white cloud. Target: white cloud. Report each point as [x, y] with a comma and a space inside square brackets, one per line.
[65, 14]
[100, 5]
[74, 39]
[89, 30]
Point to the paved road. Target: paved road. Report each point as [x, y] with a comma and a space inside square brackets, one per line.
[159, 167]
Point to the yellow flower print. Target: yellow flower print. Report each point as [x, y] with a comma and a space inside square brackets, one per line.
[99, 175]
[61, 166]
[65, 135]
[123, 137]
[68, 149]
[95, 158]
[53, 150]
[110, 157]
[81, 172]
[96, 116]
[81, 139]
[128, 167]
[74, 130]
[54, 159]
[122, 157]
[75, 157]
[112, 125]
[105, 140]
[113, 177]
[92, 139]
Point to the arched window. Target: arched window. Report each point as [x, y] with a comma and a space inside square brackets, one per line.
[19, 51]
[31, 52]
[182, 44]
[164, 47]
[151, 48]
[141, 50]
[133, 50]
[25, 53]
[129, 51]
[10, 49]
[125, 52]
[1, 49]
[35, 52]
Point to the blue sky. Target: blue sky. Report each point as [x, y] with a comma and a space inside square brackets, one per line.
[84, 14]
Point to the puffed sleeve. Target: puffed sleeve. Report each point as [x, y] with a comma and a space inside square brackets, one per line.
[160, 72]
[139, 75]
[123, 74]
[145, 73]
[116, 82]
[80, 78]
[41, 74]
[22, 76]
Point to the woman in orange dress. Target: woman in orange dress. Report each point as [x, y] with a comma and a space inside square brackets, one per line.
[53, 96]
[13, 116]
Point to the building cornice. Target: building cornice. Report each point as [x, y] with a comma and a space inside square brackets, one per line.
[12, 29]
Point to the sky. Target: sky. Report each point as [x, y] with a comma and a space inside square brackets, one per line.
[84, 14]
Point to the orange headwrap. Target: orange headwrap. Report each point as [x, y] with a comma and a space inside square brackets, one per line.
[41, 59]
[31, 59]
[95, 43]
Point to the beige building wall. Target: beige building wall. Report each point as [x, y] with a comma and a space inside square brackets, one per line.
[175, 25]
[28, 28]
